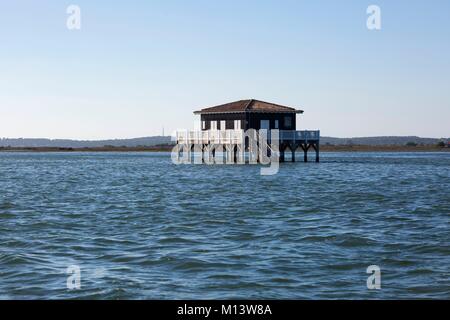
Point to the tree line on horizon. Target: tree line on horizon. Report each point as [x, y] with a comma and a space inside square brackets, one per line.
[165, 140]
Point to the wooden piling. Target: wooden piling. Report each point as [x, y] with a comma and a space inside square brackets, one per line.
[317, 152]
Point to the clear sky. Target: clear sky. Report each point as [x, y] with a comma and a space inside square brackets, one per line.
[136, 66]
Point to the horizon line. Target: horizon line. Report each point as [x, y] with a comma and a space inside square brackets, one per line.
[163, 136]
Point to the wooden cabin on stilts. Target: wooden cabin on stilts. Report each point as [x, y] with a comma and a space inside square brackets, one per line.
[225, 129]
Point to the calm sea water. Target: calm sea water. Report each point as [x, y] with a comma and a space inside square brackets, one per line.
[140, 227]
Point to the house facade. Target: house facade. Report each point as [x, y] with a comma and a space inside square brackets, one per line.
[248, 114]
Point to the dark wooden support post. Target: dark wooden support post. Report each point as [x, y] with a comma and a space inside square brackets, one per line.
[293, 155]
[316, 148]
[305, 153]
[282, 155]
[317, 152]
[202, 154]
[305, 148]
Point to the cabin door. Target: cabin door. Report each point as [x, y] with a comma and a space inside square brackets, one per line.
[265, 124]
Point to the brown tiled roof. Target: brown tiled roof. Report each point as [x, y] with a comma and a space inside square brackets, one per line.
[250, 105]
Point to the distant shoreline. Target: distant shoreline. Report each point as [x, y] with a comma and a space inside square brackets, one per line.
[168, 148]
[87, 149]
[387, 148]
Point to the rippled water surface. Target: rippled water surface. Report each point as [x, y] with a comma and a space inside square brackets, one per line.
[140, 227]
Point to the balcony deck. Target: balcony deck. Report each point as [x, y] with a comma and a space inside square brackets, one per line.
[226, 137]
[234, 141]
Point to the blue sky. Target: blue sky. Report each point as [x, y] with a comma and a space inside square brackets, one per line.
[136, 66]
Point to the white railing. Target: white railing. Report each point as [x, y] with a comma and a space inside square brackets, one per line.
[236, 136]
[299, 135]
[210, 136]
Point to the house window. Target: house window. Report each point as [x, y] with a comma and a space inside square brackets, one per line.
[203, 125]
[223, 125]
[213, 125]
[287, 122]
[276, 124]
[237, 124]
[265, 124]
